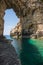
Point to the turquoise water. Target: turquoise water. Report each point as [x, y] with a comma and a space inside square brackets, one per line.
[31, 52]
[38, 44]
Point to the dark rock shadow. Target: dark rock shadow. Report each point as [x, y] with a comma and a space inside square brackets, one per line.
[29, 54]
[8, 55]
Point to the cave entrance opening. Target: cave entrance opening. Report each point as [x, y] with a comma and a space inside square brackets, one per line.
[10, 21]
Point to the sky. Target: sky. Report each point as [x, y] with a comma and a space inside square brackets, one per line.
[10, 21]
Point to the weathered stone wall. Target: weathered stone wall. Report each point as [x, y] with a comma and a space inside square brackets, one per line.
[2, 9]
[30, 11]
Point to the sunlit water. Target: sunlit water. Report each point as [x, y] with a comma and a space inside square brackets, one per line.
[38, 44]
[31, 52]
[16, 45]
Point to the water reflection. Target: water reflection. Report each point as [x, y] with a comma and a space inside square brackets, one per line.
[17, 45]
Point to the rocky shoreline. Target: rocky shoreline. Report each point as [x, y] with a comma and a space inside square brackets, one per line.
[8, 55]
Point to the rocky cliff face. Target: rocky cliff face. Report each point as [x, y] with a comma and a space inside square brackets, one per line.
[17, 31]
[29, 11]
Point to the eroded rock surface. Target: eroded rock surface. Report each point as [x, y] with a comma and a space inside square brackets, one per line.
[29, 11]
[8, 54]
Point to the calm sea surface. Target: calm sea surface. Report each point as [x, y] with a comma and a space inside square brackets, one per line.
[31, 52]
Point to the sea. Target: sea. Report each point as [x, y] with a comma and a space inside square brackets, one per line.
[31, 52]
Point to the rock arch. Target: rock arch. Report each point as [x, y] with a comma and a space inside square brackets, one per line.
[23, 9]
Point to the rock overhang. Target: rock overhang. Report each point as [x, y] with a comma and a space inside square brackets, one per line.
[25, 9]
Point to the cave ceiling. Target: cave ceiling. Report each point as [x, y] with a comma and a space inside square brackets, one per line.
[21, 7]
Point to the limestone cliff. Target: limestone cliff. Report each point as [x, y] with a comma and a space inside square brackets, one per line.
[29, 11]
[17, 31]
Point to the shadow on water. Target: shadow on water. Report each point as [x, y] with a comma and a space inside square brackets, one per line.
[29, 54]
